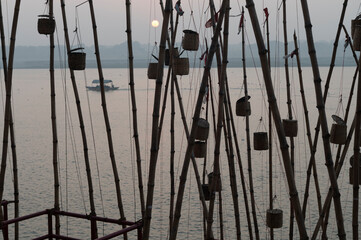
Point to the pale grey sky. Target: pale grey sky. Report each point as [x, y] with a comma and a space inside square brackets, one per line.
[111, 19]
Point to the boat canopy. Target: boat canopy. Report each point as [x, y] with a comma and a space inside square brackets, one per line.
[96, 81]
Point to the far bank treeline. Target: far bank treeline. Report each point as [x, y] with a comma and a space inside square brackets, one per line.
[116, 56]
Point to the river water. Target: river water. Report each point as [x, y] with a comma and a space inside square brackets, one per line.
[31, 98]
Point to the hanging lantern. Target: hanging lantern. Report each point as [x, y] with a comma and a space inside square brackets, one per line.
[274, 218]
[260, 141]
[152, 70]
[290, 127]
[202, 130]
[351, 175]
[218, 186]
[76, 59]
[206, 192]
[356, 32]
[167, 55]
[181, 66]
[200, 149]
[243, 106]
[190, 40]
[46, 24]
[338, 133]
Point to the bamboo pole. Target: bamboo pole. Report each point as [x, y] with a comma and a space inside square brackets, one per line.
[356, 163]
[134, 106]
[80, 115]
[172, 151]
[248, 138]
[220, 116]
[105, 113]
[289, 105]
[191, 138]
[277, 119]
[323, 121]
[155, 137]
[12, 132]
[327, 84]
[8, 85]
[308, 132]
[231, 167]
[270, 169]
[54, 125]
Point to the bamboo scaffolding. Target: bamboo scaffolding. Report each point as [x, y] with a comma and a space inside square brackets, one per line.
[277, 119]
[323, 121]
[8, 85]
[327, 84]
[191, 137]
[155, 137]
[54, 125]
[80, 115]
[134, 106]
[12, 132]
[105, 113]
[231, 167]
[308, 133]
[269, 132]
[289, 106]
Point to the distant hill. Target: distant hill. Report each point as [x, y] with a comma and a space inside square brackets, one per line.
[117, 56]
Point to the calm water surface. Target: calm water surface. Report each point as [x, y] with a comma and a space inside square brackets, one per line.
[31, 97]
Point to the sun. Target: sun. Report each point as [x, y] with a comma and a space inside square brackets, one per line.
[155, 23]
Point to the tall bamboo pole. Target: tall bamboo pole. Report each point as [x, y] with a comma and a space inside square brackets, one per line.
[80, 114]
[308, 131]
[323, 120]
[277, 119]
[191, 138]
[232, 171]
[12, 132]
[270, 140]
[7, 117]
[289, 104]
[54, 125]
[220, 116]
[134, 106]
[327, 84]
[155, 142]
[356, 163]
[248, 138]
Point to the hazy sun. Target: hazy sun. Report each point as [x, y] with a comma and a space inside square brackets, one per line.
[155, 23]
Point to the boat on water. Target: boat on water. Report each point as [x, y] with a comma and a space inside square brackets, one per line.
[108, 86]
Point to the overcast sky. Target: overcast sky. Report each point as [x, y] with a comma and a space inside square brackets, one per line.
[110, 15]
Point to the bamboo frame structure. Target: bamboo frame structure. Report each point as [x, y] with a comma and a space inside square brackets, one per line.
[191, 138]
[80, 114]
[134, 105]
[323, 121]
[54, 124]
[327, 84]
[277, 119]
